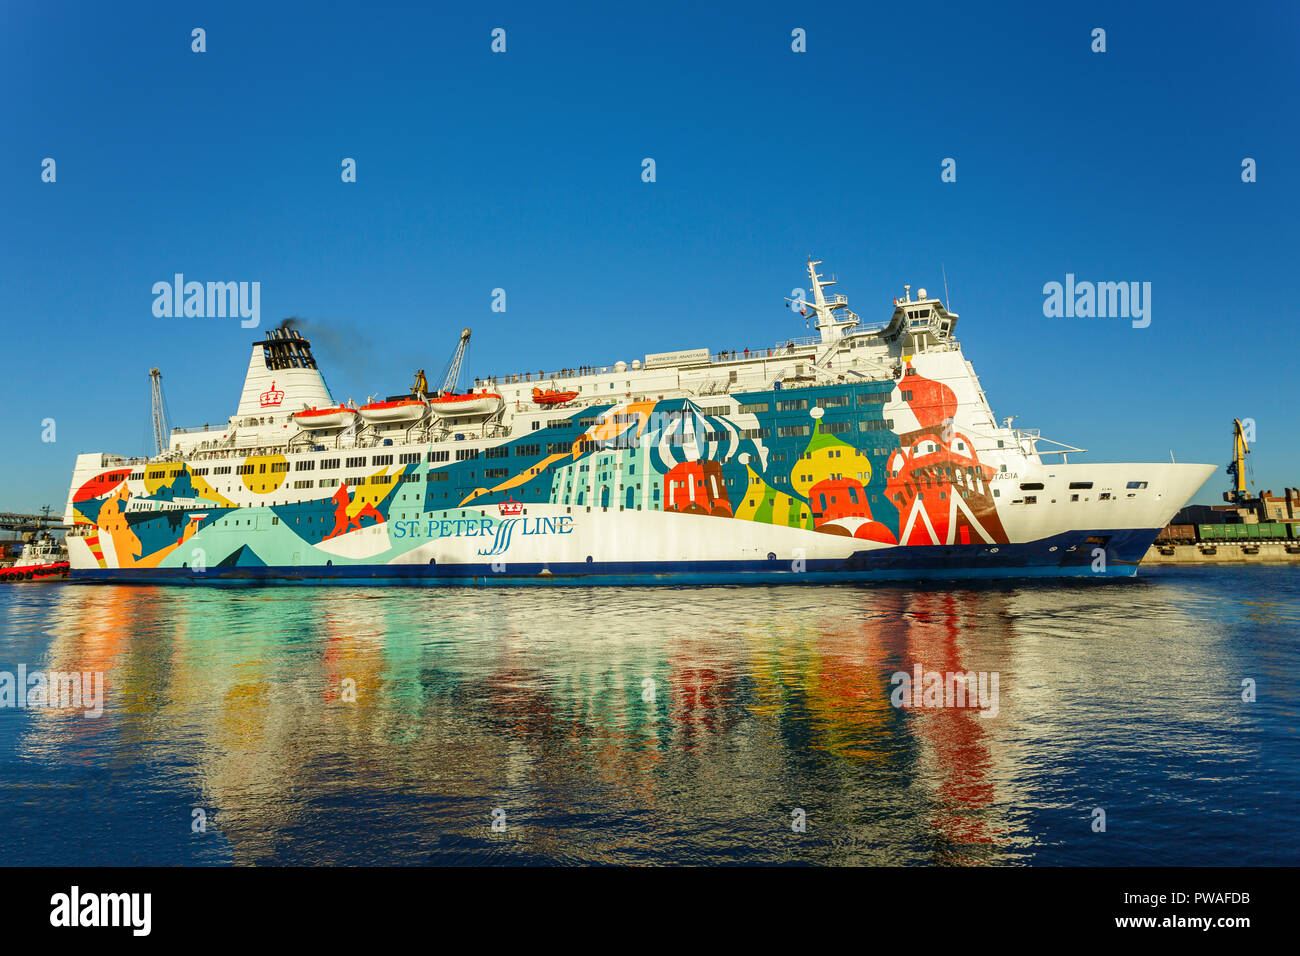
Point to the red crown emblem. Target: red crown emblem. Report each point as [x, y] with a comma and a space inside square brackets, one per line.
[272, 397]
[510, 507]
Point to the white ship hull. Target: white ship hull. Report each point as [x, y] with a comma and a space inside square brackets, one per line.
[865, 455]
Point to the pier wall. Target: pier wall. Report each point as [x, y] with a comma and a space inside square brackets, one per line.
[1185, 554]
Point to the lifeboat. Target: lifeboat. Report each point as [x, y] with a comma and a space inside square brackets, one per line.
[552, 397]
[482, 403]
[399, 410]
[318, 419]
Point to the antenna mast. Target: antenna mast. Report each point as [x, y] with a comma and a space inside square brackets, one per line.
[160, 430]
[831, 326]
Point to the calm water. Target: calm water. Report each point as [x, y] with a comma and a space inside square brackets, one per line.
[1124, 696]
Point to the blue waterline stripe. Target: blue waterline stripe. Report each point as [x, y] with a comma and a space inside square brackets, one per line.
[1045, 558]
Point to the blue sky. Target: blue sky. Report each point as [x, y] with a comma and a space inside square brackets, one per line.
[522, 171]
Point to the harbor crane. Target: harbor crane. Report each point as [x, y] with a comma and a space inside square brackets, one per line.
[160, 430]
[451, 378]
[1237, 467]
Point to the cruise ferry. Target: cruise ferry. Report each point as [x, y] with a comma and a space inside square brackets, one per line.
[860, 454]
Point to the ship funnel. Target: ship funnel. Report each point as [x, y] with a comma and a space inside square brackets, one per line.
[282, 376]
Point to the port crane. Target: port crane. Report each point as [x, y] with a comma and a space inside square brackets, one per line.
[420, 387]
[1237, 467]
[160, 430]
[451, 378]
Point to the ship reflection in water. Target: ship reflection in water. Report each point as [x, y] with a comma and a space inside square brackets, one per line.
[330, 725]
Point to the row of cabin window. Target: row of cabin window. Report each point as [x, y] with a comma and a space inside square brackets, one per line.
[500, 451]
[1078, 485]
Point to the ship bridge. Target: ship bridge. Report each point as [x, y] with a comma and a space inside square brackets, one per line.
[919, 323]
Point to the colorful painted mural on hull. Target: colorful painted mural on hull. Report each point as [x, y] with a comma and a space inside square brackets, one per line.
[822, 460]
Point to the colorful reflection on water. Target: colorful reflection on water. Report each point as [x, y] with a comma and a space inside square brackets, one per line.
[330, 725]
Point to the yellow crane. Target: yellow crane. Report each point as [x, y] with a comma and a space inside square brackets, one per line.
[450, 377]
[1237, 467]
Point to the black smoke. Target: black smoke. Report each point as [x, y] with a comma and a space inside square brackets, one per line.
[336, 345]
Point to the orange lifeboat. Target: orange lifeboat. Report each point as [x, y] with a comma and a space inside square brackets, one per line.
[552, 397]
[398, 410]
[482, 403]
[317, 419]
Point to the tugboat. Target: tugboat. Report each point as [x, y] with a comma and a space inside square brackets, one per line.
[43, 559]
